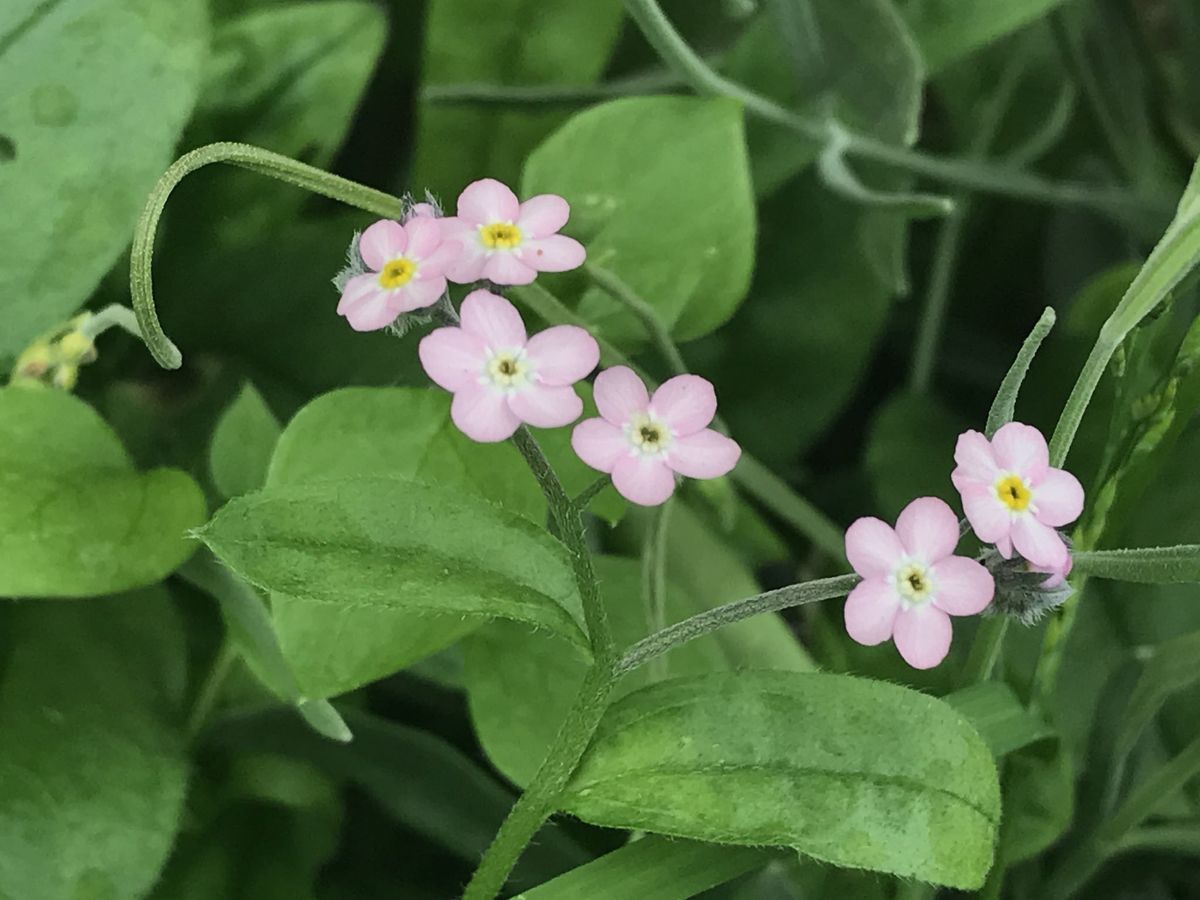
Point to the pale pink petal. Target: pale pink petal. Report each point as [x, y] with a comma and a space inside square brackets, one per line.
[989, 518]
[643, 480]
[453, 358]
[1038, 543]
[546, 406]
[421, 211]
[975, 461]
[486, 201]
[421, 293]
[928, 529]
[482, 414]
[962, 586]
[1022, 449]
[705, 454]
[1058, 498]
[367, 306]
[870, 611]
[1004, 546]
[424, 237]
[686, 402]
[543, 215]
[562, 354]
[619, 394]
[438, 262]
[383, 241]
[1058, 575]
[466, 265]
[599, 443]
[491, 317]
[922, 635]
[557, 253]
[872, 547]
[505, 267]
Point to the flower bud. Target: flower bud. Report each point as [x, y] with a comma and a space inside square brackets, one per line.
[1024, 591]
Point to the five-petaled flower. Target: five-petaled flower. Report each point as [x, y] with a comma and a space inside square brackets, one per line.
[644, 441]
[1013, 497]
[912, 582]
[408, 264]
[499, 377]
[506, 241]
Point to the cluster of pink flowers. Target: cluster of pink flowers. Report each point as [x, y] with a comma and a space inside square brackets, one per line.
[912, 581]
[501, 377]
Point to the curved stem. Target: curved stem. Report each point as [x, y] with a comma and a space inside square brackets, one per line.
[244, 156]
[676, 53]
[616, 287]
[654, 572]
[985, 650]
[718, 617]
[589, 493]
[1081, 395]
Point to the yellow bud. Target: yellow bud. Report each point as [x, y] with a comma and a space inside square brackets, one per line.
[66, 376]
[35, 361]
[76, 348]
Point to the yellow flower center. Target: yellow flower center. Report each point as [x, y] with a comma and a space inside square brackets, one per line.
[1013, 493]
[397, 273]
[913, 583]
[500, 235]
[508, 369]
[647, 435]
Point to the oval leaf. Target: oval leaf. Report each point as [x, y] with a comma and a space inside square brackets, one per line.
[854, 772]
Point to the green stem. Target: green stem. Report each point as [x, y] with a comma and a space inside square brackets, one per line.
[539, 800]
[646, 314]
[210, 690]
[718, 617]
[676, 53]
[553, 94]
[985, 650]
[1081, 395]
[654, 575]
[589, 493]
[112, 316]
[247, 157]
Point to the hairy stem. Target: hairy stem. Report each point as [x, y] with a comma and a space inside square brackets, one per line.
[704, 623]
[244, 156]
[654, 574]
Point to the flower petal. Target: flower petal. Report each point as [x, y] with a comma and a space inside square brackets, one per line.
[466, 265]
[421, 293]
[488, 200]
[367, 306]
[449, 251]
[872, 547]
[619, 394]
[686, 402]
[383, 241]
[975, 460]
[505, 267]
[421, 211]
[928, 529]
[599, 443]
[453, 358]
[482, 414]
[543, 215]
[705, 454]
[557, 253]
[562, 354]
[495, 320]
[424, 237]
[1038, 543]
[546, 406]
[1058, 498]
[963, 587]
[989, 518]
[1022, 449]
[923, 635]
[870, 611]
[643, 480]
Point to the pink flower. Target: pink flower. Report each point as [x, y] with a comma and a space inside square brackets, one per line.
[1011, 495]
[506, 241]
[421, 211]
[499, 377]
[408, 264]
[1058, 574]
[643, 441]
[912, 582]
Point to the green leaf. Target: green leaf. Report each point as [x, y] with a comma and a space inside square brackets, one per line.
[653, 868]
[288, 79]
[999, 717]
[676, 225]
[95, 95]
[76, 519]
[949, 30]
[242, 444]
[389, 543]
[92, 762]
[910, 451]
[517, 42]
[1144, 565]
[1004, 406]
[853, 772]
[520, 684]
[398, 432]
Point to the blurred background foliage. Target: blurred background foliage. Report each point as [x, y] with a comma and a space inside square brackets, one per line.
[850, 343]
